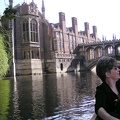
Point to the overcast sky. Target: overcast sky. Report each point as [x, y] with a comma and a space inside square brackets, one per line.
[102, 13]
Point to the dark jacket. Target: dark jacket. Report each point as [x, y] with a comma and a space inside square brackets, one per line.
[107, 99]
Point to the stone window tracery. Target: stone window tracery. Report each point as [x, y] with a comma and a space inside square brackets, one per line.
[25, 31]
[34, 31]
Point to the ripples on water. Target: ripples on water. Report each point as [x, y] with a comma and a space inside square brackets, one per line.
[68, 96]
[82, 112]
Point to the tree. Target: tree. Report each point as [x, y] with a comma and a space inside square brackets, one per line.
[5, 56]
[10, 13]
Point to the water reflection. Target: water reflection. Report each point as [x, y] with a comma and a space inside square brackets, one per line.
[53, 96]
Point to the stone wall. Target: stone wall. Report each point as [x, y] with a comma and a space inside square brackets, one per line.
[28, 67]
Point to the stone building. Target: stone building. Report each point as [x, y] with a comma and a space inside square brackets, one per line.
[41, 46]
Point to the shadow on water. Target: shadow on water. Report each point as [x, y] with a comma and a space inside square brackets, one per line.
[58, 96]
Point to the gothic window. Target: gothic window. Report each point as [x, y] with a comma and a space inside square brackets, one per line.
[34, 31]
[70, 37]
[54, 34]
[58, 45]
[57, 34]
[99, 52]
[50, 45]
[62, 45]
[55, 45]
[26, 54]
[118, 49]
[91, 53]
[79, 40]
[25, 31]
[73, 37]
[110, 50]
[35, 53]
[71, 46]
[83, 40]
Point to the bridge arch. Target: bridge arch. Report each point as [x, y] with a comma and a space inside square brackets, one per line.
[94, 50]
[109, 49]
[98, 51]
[91, 64]
[90, 53]
[117, 49]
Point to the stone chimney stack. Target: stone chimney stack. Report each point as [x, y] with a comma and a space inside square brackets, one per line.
[75, 28]
[95, 32]
[87, 30]
[62, 23]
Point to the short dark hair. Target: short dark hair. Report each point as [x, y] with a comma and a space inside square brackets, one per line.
[105, 64]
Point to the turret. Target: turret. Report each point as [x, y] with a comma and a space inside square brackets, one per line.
[43, 9]
[11, 3]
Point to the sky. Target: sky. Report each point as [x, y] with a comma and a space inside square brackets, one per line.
[102, 13]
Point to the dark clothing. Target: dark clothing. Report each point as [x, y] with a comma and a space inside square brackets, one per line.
[108, 100]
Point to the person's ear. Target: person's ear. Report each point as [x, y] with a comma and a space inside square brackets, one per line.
[107, 74]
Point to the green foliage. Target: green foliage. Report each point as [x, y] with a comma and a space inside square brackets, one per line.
[10, 13]
[4, 57]
[4, 98]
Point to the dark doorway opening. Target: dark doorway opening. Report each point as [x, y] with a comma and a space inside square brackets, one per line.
[61, 66]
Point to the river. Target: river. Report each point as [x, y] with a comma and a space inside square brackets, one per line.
[58, 96]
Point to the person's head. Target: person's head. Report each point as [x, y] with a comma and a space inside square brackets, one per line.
[105, 64]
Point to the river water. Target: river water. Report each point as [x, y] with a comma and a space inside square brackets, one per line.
[60, 96]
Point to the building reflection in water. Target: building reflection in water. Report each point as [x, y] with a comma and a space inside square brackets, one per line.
[53, 96]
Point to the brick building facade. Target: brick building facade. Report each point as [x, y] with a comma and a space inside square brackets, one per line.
[41, 46]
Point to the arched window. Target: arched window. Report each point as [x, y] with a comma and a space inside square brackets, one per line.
[110, 50]
[91, 53]
[25, 31]
[34, 31]
[118, 49]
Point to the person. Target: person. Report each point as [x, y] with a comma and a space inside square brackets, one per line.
[107, 96]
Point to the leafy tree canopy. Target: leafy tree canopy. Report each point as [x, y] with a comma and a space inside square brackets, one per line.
[10, 13]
